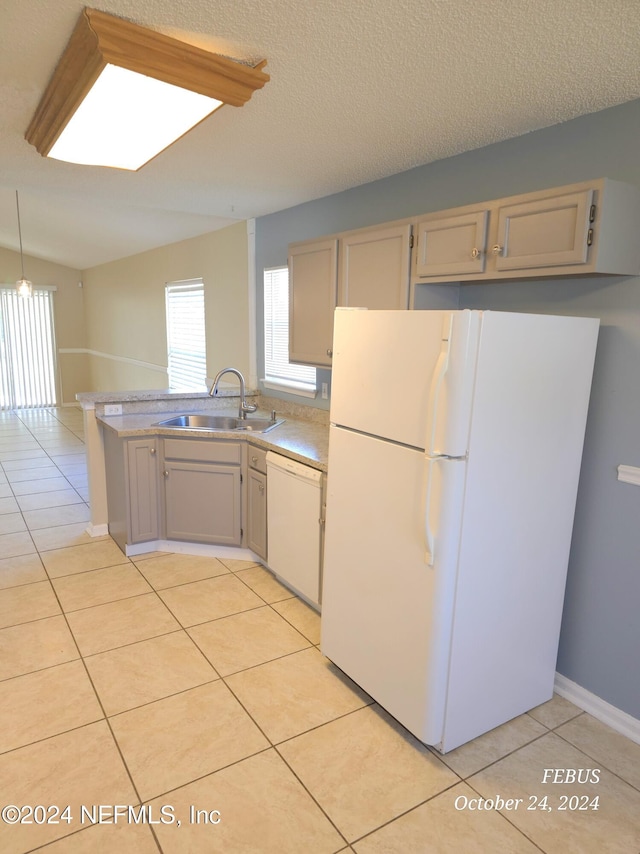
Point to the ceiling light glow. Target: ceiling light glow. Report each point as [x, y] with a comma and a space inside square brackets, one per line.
[127, 118]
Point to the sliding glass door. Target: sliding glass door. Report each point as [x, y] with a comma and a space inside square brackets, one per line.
[27, 350]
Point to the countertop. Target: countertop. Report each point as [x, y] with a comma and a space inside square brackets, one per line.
[297, 438]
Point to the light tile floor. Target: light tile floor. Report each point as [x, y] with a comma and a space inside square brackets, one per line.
[190, 692]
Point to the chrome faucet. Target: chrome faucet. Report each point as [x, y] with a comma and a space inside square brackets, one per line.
[244, 406]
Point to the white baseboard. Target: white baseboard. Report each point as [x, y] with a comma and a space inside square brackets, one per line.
[601, 710]
[202, 549]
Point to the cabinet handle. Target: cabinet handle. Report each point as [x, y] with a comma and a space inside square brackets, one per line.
[254, 460]
[261, 488]
[476, 253]
[165, 473]
[497, 249]
[152, 450]
[329, 352]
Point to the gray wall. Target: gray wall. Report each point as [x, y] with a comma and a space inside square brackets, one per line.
[600, 639]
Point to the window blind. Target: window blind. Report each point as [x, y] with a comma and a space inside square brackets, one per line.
[186, 342]
[278, 368]
[27, 349]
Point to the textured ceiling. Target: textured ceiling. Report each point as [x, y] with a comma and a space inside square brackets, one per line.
[358, 91]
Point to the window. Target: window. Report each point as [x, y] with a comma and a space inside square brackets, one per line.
[279, 372]
[27, 349]
[186, 346]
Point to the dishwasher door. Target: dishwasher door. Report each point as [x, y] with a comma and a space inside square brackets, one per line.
[294, 508]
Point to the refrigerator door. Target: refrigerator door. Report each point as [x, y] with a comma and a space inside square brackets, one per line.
[529, 414]
[406, 376]
[386, 615]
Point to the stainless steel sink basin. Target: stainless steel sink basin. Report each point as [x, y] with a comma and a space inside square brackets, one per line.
[220, 422]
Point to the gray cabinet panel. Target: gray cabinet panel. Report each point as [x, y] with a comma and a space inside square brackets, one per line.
[313, 279]
[548, 232]
[143, 490]
[374, 268]
[257, 512]
[203, 502]
[452, 245]
[132, 489]
[203, 450]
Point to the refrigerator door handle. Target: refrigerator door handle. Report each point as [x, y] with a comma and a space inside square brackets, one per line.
[429, 538]
[442, 365]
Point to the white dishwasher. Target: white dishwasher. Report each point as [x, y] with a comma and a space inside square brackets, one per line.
[294, 511]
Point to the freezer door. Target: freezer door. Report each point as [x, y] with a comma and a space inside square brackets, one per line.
[406, 376]
[387, 615]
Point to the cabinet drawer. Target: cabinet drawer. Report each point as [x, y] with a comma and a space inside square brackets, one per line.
[203, 450]
[258, 459]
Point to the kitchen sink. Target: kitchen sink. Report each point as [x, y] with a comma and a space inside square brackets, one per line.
[220, 422]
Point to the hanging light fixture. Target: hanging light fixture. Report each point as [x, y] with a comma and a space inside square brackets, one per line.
[122, 93]
[23, 285]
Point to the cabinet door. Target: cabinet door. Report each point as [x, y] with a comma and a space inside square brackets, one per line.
[143, 490]
[203, 502]
[548, 232]
[257, 512]
[313, 275]
[374, 268]
[452, 245]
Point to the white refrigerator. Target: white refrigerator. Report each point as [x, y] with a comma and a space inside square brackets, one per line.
[454, 456]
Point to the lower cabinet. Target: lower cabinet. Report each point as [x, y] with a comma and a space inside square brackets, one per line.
[132, 489]
[142, 464]
[203, 491]
[257, 501]
[186, 489]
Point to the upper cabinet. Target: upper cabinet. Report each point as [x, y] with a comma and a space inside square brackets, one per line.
[369, 268]
[549, 232]
[451, 244]
[374, 267]
[578, 229]
[313, 282]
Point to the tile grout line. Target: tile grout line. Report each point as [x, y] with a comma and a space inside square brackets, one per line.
[272, 745]
[584, 751]
[16, 496]
[44, 449]
[98, 699]
[105, 716]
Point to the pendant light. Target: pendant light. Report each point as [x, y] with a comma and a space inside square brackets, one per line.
[23, 285]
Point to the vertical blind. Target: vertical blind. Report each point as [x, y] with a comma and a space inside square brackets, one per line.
[185, 335]
[27, 349]
[278, 368]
